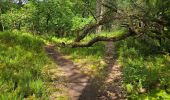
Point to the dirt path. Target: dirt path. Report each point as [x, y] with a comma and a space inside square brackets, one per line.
[113, 80]
[76, 81]
[82, 87]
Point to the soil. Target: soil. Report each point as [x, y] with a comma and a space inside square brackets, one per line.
[83, 87]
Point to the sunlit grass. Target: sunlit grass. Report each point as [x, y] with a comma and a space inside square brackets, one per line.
[22, 60]
[91, 59]
[105, 34]
[146, 71]
[23, 65]
[70, 39]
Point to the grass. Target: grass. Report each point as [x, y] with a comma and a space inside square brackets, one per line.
[105, 34]
[24, 65]
[86, 39]
[146, 71]
[22, 61]
[90, 59]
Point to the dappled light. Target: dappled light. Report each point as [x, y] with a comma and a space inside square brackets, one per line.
[84, 50]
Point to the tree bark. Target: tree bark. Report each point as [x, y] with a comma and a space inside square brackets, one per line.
[102, 38]
[99, 13]
[1, 27]
[20, 3]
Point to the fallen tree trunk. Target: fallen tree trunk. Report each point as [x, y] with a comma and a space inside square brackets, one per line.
[102, 38]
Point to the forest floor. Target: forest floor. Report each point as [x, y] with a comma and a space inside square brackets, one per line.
[81, 86]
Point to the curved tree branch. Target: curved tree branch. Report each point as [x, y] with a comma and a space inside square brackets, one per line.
[87, 29]
[102, 38]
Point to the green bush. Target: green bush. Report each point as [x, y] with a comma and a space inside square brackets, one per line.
[145, 69]
[22, 59]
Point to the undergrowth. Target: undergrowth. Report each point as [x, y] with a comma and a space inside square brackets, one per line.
[145, 63]
[22, 61]
[146, 70]
[91, 60]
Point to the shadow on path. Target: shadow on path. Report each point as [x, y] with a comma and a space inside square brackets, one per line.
[108, 86]
[82, 87]
[75, 79]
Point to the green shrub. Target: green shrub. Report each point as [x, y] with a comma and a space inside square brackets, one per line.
[22, 59]
[144, 67]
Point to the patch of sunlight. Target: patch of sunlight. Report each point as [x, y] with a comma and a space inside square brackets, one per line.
[20, 73]
[61, 40]
[116, 33]
[155, 95]
[63, 98]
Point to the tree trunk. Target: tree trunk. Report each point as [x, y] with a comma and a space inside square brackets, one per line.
[1, 27]
[102, 38]
[20, 3]
[99, 13]
[47, 23]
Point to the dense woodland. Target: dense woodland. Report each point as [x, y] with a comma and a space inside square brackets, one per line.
[80, 30]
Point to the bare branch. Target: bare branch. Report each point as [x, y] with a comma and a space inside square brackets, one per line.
[92, 14]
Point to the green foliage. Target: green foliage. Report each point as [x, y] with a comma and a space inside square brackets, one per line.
[96, 52]
[22, 57]
[5, 5]
[22, 60]
[90, 59]
[146, 70]
[53, 15]
[79, 22]
[23, 39]
[37, 87]
[47, 16]
[19, 18]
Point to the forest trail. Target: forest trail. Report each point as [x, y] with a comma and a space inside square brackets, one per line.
[83, 87]
[76, 81]
[112, 82]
